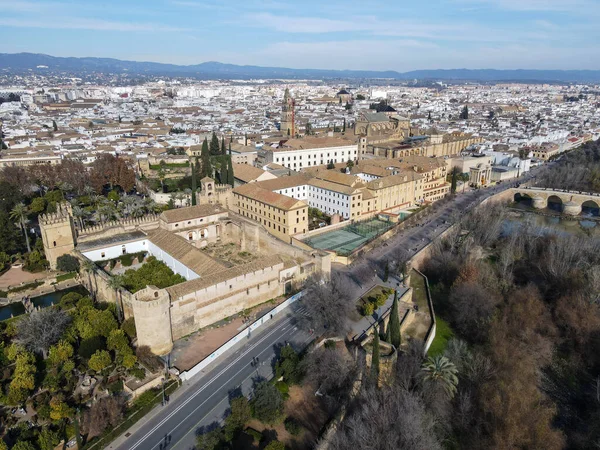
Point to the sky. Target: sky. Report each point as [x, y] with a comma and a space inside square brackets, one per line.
[320, 34]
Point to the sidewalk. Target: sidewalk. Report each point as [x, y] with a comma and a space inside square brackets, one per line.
[186, 385]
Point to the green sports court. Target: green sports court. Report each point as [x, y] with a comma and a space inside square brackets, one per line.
[347, 239]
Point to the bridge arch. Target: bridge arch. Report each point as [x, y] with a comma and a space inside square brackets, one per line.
[523, 198]
[555, 203]
[590, 208]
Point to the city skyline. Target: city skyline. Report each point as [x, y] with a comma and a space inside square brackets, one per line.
[475, 34]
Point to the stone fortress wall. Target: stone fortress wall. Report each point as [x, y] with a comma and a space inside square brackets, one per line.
[164, 315]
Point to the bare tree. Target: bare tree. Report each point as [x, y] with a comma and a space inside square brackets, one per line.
[107, 411]
[42, 329]
[331, 371]
[388, 419]
[328, 304]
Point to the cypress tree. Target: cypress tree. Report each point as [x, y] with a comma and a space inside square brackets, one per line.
[223, 148]
[375, 359]
[206, 169]
[194, 183]
[394, 325]
[223, 174]
[214, 145]
[344, 128]
[230, 179]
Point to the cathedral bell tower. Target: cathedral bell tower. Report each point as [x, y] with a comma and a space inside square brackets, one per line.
[287, 126]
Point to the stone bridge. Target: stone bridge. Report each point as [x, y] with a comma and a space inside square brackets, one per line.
[571, 203]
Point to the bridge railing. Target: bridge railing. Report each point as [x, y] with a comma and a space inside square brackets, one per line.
[565, 191]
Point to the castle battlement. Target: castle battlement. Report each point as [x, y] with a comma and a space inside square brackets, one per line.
[63, 213]
[121, 223]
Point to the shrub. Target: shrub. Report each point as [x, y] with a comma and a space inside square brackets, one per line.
[137, 372]
[67, 301]
[276, 445]
[116, 387]
[329, 343]
[67, 263]
[367, 308]
[292, 426]
[90, 346]
[282, 387]
[153, 272]
[100, 361]
[145, 399]
[128, 326]
[257, 435]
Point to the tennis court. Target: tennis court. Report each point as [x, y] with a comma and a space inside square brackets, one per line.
[345, 240]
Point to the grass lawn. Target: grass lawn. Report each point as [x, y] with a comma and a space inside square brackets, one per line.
[443, 333]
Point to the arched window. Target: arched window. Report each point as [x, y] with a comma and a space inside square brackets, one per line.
[54, 243]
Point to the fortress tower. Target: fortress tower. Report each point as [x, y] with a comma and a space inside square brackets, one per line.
[151, 311]
[287, 126]
[58, 233]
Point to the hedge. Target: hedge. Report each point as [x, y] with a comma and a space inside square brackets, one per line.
[26, 287]
[66, 276]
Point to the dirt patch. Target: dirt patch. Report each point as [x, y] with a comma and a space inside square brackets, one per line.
[16, 275]
[190, 350]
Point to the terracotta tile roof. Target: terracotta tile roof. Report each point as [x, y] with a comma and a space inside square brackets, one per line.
[248, 173]
[218, 276]
[190, 212]
[184, 252]
[284, 182]
[334, 187]
[393, 180]
[255, 192]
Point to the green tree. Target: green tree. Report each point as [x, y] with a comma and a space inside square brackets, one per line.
[99, 360]
[241, 413]
[464, 114]
[19, 214]
[206, 167]
[441, 371]
[162, 175]
[454, 174]
[287, 365]
[375, 356]
[23, 377]
[275, 445]
[230, 176]
[330, 165]
[23, 445]
[194, 182]
[394, 325]
[54, 125]
[60, 353]
[38, 205]
[118, 342]
[267, 403]
[67, 263]
[210, 440]
[223, 148]
[48, 439]
[214, 145]
[59, 409]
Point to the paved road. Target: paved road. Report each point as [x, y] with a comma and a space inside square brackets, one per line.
[412, 240]
[205, 399]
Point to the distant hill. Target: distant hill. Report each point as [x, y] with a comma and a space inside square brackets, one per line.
[24, 62]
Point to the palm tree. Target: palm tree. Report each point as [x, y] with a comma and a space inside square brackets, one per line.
[440, 370]
[116, 282]
[19, 214]
[88, 190]
[64, 187]
[79, 213]
[173, 197]
[180, 198]
[188, 196]
[90, 267]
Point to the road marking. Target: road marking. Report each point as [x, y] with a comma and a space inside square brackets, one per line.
[195, 427]
[176, 410]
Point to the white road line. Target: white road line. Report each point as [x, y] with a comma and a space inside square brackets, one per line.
[225, 398]
[176, 410]
[207, 399]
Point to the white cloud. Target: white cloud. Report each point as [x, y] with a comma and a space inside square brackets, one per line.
[78, 23]
[574, 6]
